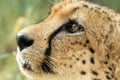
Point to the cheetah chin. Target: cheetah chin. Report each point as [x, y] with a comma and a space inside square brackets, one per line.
[77, 41]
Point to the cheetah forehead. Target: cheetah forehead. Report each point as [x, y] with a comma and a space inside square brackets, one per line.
[66, 8]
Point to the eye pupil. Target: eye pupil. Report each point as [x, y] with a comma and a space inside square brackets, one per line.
[74, 28]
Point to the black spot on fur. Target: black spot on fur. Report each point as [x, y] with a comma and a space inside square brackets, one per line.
[108, 56]
[84, 45]
[83, 61]
[91, 50]
[84, 53]
[64, 65]
[92, 60]
[108, 77]
[95, 73]
[45, 39]
[77, 58]
[60, 63]
[86, 6]
[76, 42]
[72, 43]
[110, 68]
[73, 55]
[105, 62]
[109, 18]
[106, 72]
[82, 72]
[71, 66]
[76, 8]
[87, 41]
[80, 43]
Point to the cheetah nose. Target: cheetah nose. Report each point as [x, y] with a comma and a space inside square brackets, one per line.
[23, 41]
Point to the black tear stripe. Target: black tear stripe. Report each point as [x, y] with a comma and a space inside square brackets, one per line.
[48, 50]
[46, 64]
[46, 67]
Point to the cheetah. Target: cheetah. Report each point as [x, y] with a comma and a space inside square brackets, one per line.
[79, 40]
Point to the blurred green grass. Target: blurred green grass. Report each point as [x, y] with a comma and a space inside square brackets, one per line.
[9, 69]
[17, 14]
[14, 15]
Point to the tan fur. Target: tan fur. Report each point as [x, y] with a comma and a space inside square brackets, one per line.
[102, 30]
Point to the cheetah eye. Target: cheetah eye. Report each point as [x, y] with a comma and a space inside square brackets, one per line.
[73, 27]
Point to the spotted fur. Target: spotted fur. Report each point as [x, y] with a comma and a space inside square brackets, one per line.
[91, 53]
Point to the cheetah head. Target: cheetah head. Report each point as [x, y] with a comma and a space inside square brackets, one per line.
[66, 43]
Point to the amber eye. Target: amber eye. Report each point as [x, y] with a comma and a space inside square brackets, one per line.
[73, 27]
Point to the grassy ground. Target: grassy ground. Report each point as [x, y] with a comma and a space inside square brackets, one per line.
[16, 14]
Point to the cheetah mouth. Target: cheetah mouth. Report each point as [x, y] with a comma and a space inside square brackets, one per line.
[44, 67]
[27, 66]
[24, 64]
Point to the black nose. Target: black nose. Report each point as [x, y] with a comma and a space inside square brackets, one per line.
[23, 40]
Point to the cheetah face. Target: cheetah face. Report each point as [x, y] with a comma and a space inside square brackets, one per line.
[63, 45]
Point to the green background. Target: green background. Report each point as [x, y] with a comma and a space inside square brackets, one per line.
[16, 14]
